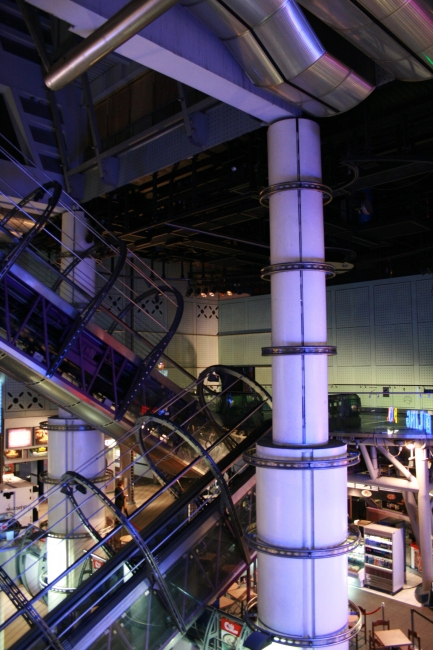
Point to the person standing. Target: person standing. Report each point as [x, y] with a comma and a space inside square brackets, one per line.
[119, 496]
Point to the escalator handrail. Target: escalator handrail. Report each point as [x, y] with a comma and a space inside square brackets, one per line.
[238, 534]
[60, 611]
[25, 241]
[87, 313]
[77, 478]
[149, 362]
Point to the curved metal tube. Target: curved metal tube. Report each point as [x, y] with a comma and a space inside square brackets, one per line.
[371, 35]
[28, 612]
[88, 311]
[149, 362]
[110, 35]
[213, 468]
[27, 239]
[218, 369]
[278, 50]
[142, 546]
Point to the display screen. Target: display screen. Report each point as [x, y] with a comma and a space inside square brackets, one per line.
[41, 436]
[19, 438]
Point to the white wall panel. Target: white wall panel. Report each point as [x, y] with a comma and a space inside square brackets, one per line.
[392, 303]
[352, 307]
[395, 375]
[425, 342]
[258, 313]
[188, 322]
[232, 315]
[353, 346]
[352, 375]
[231, 350]
[182, 349]
[394, 345]
[207, 317]
[264, 377]
[207, 351]
[424, 300]
[426, 375]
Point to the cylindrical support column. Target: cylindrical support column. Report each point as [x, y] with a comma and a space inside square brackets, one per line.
[424, 518]
[373, 456]
[298, 298]
[76, 446]
[301, 508]
[76, 238]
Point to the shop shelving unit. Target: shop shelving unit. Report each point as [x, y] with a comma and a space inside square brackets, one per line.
[384, 557]
[356, 563]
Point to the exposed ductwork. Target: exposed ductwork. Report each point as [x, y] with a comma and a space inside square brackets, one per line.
[278, 50]
[411, 21]
[132, 18]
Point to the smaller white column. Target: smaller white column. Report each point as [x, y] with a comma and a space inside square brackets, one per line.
[74, 446]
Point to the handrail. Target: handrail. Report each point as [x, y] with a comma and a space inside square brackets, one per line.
[412, 621]
[147, 364]
[26, 239]
[76, 478]
[88, 311]
[213, 468]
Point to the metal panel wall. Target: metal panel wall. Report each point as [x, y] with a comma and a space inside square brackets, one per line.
[383, 331]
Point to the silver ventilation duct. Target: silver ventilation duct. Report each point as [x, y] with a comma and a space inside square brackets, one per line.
[412, 23]
[278, 50]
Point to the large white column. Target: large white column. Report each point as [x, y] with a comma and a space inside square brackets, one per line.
[424, 519]
[300, 509]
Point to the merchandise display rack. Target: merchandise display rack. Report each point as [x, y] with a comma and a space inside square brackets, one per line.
[384, 557]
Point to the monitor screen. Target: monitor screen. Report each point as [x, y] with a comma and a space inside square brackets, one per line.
[19, 438]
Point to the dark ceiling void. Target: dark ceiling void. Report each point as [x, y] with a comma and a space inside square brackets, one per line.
[377, 158]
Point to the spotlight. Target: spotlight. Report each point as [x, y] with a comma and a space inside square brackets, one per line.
[229, 292]
[203, 293]
[212, 292]
[197, 292]
[189, 291]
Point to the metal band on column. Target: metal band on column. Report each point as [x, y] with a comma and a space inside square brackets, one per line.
[298, 349]
[351, 542]
[295, 185]
[345, 634]
[267, 271]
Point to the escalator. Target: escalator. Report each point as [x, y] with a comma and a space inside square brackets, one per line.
[75, 328]
[154, 572]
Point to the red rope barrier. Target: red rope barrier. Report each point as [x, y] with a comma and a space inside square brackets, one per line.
[373, 612]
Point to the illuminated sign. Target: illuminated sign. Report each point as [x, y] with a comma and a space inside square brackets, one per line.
[420, 420]
[392, 415]
[19, 438]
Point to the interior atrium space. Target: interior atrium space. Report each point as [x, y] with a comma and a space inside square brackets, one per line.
[216, 324]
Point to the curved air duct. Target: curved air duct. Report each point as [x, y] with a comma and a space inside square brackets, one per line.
[411, 21]
[278, 50]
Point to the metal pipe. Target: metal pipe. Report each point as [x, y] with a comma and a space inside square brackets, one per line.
[118, 29]
[424, 518]
[387, 482]
[366, 456]
[412, 511]
[396, 463]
